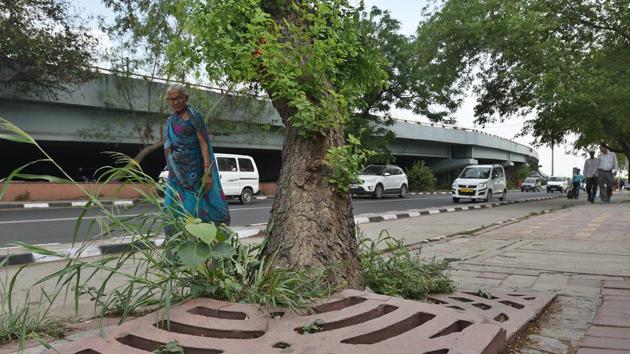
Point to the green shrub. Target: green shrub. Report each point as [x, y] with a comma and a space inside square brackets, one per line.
[421, 178]
[390, 268]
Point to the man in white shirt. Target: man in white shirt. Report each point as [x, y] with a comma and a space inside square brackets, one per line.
[606, 169]
[590, 173]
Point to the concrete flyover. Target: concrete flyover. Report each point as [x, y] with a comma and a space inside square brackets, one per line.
[109, 112]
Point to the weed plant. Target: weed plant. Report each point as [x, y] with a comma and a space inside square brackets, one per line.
[390, 268]
[22, 320]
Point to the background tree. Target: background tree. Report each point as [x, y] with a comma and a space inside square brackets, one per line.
[564, 61]
[43, 47]
[142, 32]
[410, 85]
[307, 57]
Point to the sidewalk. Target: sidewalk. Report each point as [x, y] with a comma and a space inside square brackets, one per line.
[582, 254]
[574, 252]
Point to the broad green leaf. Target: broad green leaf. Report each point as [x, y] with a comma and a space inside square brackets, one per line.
[192, 253]
[222, 250]
[204, 232]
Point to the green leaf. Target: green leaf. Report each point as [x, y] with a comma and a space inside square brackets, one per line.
[204, 232]
[222, 250]
[18, 136]
[192, 253]
[48, 178]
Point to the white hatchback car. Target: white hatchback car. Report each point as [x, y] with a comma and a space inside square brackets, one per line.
[480, 182]
[378, 180]
[238, 174]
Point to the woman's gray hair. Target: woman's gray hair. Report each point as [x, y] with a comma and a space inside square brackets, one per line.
[179, 88]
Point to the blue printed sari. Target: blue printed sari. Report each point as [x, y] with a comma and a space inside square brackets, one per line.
[185, 193]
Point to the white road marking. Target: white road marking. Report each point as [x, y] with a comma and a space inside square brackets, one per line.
[35, 205]
[59, 219]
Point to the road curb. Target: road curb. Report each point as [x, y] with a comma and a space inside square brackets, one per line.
[83, 203]
[120, 244]
[371, 218]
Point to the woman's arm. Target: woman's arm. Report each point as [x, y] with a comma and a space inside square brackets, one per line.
[204, 152]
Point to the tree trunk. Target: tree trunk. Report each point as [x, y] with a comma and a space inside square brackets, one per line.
[312, 225]
[625, 147]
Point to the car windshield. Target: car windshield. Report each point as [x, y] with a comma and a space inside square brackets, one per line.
[476, 172]
[556, 179]
[373, 170]
[530, 180]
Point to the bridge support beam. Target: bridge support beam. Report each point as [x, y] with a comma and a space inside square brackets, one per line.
[448, 165]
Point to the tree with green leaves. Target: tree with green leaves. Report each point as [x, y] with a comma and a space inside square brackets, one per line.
[307, 58]
[142, 32]
[563, 61]
[43, 48]
[410, 85]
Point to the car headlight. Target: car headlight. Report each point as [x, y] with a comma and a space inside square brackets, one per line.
[455, 186]
[482, 185]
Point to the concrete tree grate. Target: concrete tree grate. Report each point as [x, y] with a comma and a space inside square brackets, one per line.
[350, 322]
[513, 311]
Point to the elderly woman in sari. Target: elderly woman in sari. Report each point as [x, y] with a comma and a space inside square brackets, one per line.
[193, 182]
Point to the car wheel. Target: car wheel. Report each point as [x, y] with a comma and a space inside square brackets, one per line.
[489, 196]
[455, 200]
[522, 190]
[403, 191]
[504, 195]
[247, 195]
[378, 191]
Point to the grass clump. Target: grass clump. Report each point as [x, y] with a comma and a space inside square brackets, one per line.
[26, 320]
[390, 268]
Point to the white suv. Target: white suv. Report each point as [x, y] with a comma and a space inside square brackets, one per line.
[556, 183]
[238, 174]
[480, 182]
[378, 180]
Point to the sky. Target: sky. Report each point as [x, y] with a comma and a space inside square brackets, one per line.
[409, 12]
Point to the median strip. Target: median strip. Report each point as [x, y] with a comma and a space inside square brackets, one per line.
[119, 244]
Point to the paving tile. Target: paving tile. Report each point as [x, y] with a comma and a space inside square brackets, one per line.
[605, 343]
[590, 283]
[622, 284]
[558, 280]
[615, 292]
[519, 281]
[609, 332]
[601, 351]
[489, 275]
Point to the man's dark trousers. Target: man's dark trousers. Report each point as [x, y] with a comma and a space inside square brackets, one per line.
[605, 180]
[591, 188]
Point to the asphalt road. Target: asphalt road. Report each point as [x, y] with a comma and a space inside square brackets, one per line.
[51, 225]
